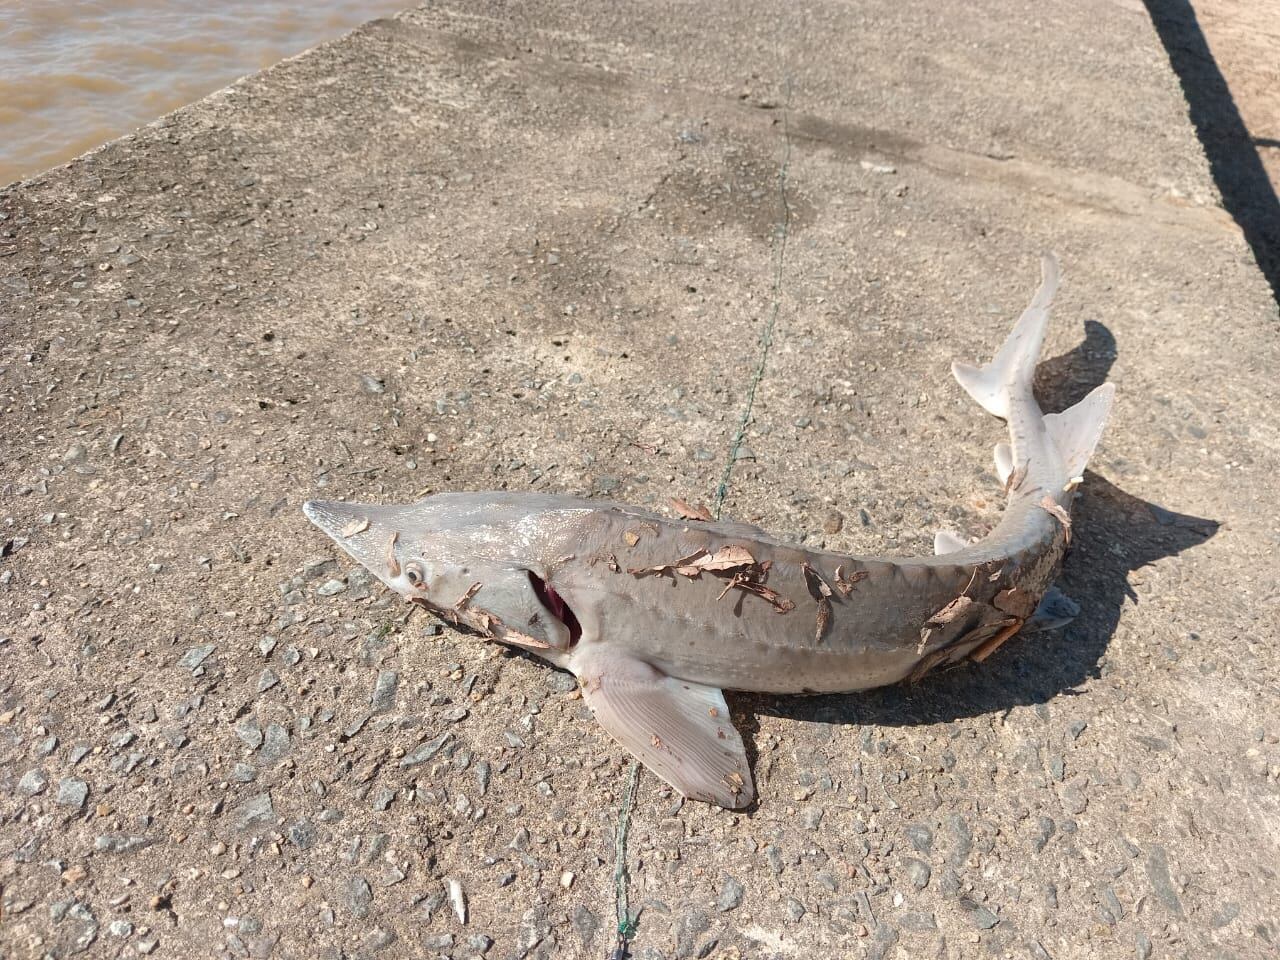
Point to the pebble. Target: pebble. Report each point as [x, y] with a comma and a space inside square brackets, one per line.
[920, 837]
[196, 656]
[1142, 946]
[267, 679]
[302, 834]
[426, 751]
[561, 682]
[480, 943]
[331, 588]
[918, 872]
[795, 909]
[961, 840]
[980, 916]
[120, 843]
[359, 897]
[457, 898]
[918, 922]
[72, 793]
[585, 924]
[255, 813]
[121, 928]
[249, 732]
[731, 893]
[1043, 832]
[383, 697]
[689, 928]
[33, 782]
[276, 744]
[1161, 883]
[244, 773]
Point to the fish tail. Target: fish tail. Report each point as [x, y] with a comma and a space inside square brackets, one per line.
[999, 384]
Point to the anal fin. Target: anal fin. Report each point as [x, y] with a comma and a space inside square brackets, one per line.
[1004, 462]
[679, 729]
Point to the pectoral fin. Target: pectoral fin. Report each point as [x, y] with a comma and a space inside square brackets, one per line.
[680, 730]
[1056, 609]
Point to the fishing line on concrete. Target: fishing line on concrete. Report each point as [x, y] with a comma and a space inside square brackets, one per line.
[775, 304]
[626, 922]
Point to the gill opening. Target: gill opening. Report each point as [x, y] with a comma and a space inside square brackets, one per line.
[556, 604]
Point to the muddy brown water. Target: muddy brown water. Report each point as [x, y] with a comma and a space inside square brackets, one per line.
[74, 74]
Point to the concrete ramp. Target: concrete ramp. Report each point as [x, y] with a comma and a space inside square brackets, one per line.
[632, 252]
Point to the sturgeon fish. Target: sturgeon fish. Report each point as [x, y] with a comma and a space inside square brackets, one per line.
[657, 616]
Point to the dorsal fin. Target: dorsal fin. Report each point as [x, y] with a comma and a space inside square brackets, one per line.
[944, 541]
[1076, 430]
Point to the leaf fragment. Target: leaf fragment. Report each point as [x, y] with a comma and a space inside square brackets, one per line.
[393, 563]
[948, 614]
[780, 603]
[1051, 506]
[727, 558]
[845, 584]
[682, 566]
[687, 511]
[817, 586]
[1015, 479]
[355, 526]
[631, 537]
[465, 600]
[824, 618]
[1016, 602]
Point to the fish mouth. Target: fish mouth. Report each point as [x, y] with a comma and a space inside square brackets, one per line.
[557, 606]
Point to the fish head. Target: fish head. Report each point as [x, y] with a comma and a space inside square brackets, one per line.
[475, 560]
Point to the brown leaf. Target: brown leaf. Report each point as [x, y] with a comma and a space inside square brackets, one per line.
[687, 512]
[956, 608]
[817, 586]
[393, 564]
[462, 602]
[845, 584]
[356, 526]
[609, 560]
[685, 566]
[780, 603]
[1064, 518]
[950, 612]
[824, 617]
[732, 557]
[1017, 602]
[1015, 479]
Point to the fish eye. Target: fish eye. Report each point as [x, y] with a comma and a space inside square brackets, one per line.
[415, 573]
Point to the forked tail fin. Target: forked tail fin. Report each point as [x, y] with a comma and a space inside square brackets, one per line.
[1075, 431]
[994, 384]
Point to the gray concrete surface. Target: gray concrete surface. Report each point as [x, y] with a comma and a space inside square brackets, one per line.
[535, 247]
